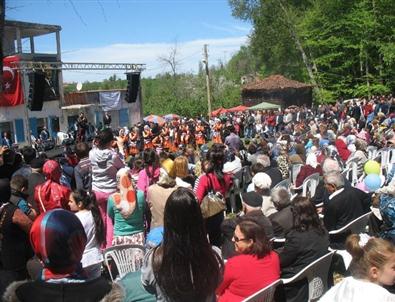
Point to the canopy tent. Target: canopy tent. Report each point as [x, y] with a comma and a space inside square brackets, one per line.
[265, 106]
[171, 116]
[218, 111]
[155, 119]
[238, 108]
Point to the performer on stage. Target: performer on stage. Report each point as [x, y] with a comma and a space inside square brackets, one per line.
[147, 135]
[199, 134]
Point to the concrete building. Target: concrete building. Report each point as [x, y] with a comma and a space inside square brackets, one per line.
[20, 38]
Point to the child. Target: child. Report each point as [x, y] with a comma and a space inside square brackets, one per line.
[83, 170]
[88, 213]
[19, 186]
[372, 267]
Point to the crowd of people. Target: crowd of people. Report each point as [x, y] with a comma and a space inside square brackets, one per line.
[58, 215]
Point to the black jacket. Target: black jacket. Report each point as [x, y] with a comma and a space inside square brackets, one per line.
[282, 222]
[342, 209]
[300, 250]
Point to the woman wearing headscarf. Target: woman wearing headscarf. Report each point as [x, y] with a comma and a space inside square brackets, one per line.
[15, 247]
[126, 210]
[342, 149]
[159, 192]
[58, 239]
[51, 194]
[310, 168]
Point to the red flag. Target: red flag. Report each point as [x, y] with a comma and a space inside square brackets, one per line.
[12, 85]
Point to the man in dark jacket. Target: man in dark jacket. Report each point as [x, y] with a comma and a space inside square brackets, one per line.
[344, 205]
[282, 221]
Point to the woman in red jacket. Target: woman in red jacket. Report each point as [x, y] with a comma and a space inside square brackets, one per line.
[214, 180]
[256, 267]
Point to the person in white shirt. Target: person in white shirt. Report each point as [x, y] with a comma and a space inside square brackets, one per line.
[85, 208]
[372, 267]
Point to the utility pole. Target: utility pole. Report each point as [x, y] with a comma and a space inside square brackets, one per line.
[205, 61]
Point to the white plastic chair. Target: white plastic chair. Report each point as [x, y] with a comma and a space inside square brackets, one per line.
[309, 185]
[127, 258]
[356, 226]
[372, 151]
[295, 169]
[352, 167]
[384, 155]
[265, 294]
[317, 276]
[284, 183]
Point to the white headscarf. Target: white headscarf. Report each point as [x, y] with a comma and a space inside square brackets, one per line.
[311, 160]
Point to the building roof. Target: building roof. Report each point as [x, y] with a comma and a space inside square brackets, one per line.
[274, 82]
[28, 29]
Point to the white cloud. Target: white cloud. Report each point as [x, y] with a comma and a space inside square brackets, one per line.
[190, 53]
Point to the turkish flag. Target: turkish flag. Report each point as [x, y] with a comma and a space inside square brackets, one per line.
[12, 94]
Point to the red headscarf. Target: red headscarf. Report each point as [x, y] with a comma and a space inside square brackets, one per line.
[342, 149]
[51, 194]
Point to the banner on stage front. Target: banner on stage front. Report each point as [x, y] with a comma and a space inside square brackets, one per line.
[12, 94]
[110, 100]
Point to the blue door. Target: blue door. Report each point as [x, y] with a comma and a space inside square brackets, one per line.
[123, 117]
[33, 126]
[19, 130]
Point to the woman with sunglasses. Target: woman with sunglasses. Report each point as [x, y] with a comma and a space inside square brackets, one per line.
[255, 267]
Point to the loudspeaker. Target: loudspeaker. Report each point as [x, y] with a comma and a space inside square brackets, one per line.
[133, 89]
[37, 84]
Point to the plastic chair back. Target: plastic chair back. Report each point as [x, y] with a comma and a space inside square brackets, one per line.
[356, 226]
[310, 184]
[284, 183]
[317, 276]
[265, 294]
[295, 169]
[127, 258]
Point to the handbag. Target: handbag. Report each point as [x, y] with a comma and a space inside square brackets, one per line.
[213, 203]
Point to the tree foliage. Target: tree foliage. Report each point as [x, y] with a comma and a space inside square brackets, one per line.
[348, 45]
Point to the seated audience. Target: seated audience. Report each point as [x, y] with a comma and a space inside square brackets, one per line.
[255, 267]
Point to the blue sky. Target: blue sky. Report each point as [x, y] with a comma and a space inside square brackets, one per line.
[132, 31]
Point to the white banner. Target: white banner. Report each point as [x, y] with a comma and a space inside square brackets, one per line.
[110, 100]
